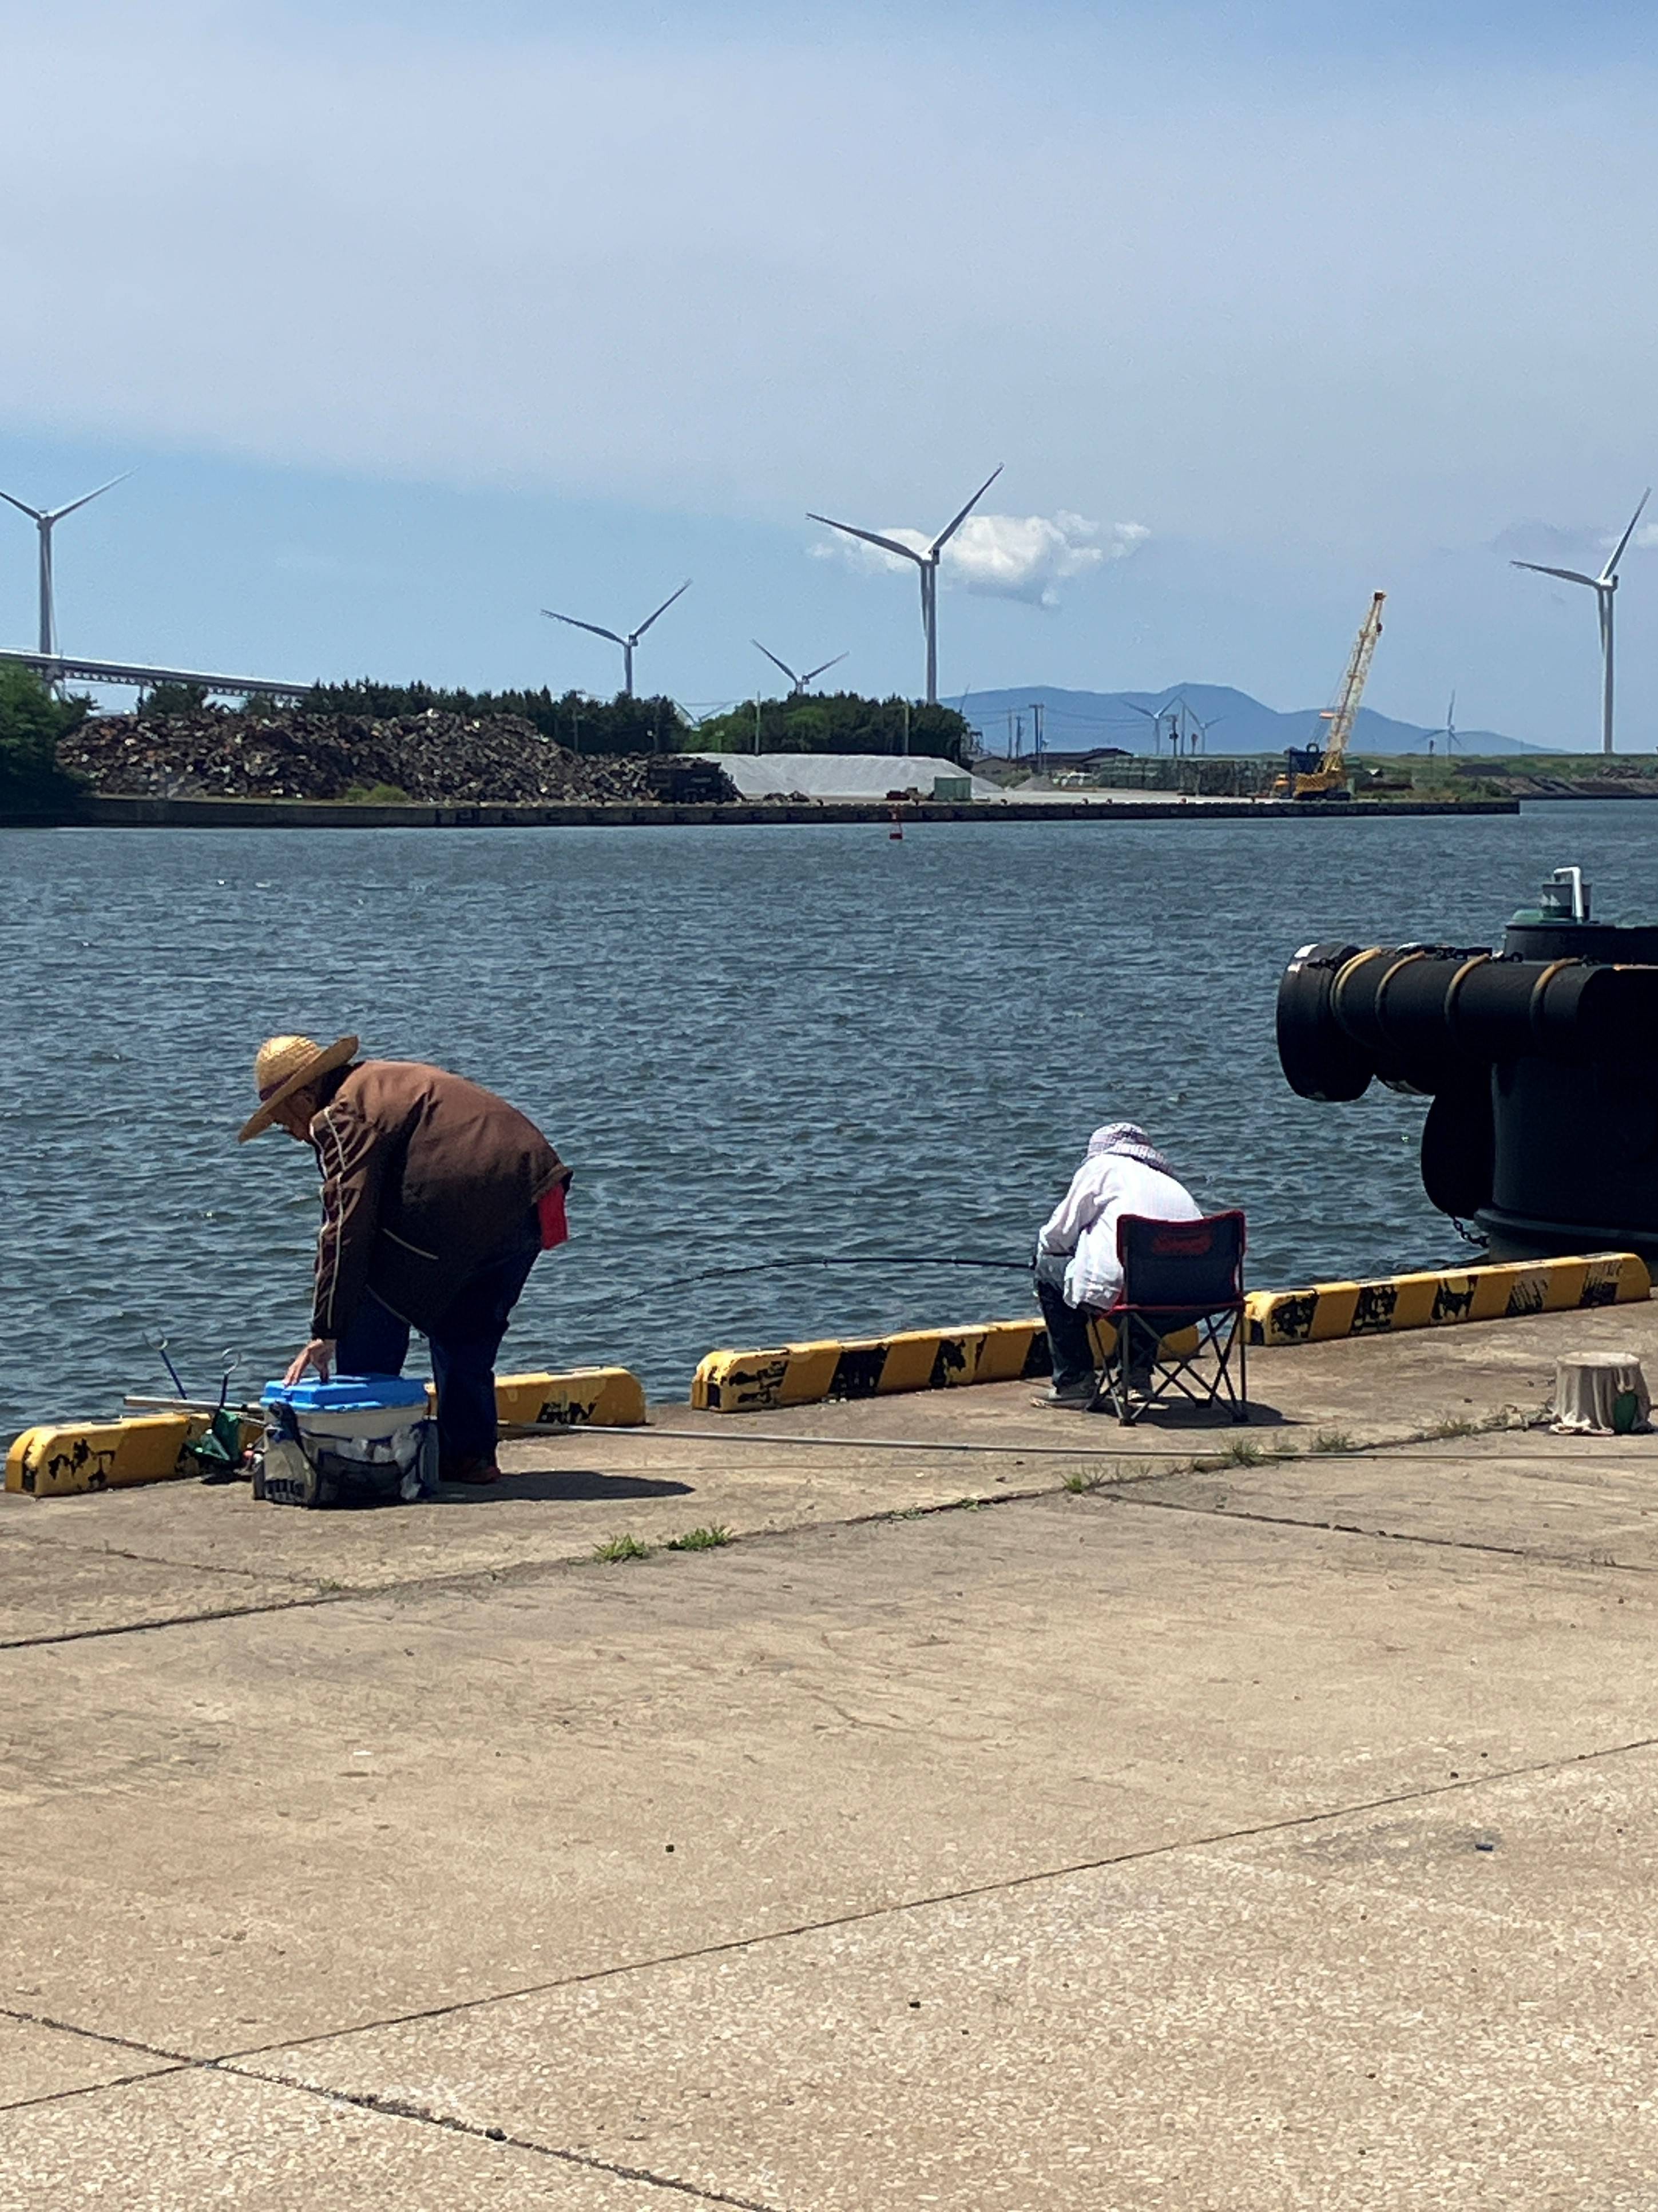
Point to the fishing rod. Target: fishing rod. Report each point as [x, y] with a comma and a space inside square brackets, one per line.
[846, 1260]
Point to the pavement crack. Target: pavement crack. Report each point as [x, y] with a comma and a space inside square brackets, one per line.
[169, 2062]
[1327, 1527]
[402, 2108]
[158, 2073]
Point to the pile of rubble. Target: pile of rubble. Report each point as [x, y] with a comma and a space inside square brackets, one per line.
[269, 754]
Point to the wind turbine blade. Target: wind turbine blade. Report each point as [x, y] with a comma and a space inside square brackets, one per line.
[869, 537]
[1146, 711]
[59, 512]
[575, 624]
[812, 674]
[776, 663]
[949, 530]
[1571, 575]
[662, 610]
[1607, 572]
[34, 513]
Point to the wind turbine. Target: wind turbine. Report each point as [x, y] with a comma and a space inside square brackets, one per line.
[1171, 713]
[799, 682]
[1448, 729]
[1604, 588]
[927, 562]
[1204, 727]
[627, 643]
[46, 519]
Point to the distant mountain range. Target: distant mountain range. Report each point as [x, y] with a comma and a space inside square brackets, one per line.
[1081, 721]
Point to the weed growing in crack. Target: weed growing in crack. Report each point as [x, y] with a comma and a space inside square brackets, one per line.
[702, 1540]
[621, 1547]
[1331, 1440]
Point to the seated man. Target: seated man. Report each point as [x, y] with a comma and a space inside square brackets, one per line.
[1077, 1266]
[436, 1198]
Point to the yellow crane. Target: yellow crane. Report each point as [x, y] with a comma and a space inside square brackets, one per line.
[1323, 774]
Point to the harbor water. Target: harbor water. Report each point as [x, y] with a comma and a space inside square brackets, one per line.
[758, 1045]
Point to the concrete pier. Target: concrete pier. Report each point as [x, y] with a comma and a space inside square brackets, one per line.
[1017, 1813]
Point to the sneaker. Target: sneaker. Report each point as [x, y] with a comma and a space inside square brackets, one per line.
[474, 1471]
[1071, 1394]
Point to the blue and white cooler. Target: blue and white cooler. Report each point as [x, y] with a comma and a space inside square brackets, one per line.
[355, 1440]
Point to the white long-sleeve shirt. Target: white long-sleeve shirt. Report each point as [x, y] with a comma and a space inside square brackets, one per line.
[1077, 1245]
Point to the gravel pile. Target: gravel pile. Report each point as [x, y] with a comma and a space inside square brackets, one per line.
[432, 755]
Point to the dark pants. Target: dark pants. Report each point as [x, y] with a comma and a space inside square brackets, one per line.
[463, 1343]
[1068, 1338]
[1072, 1345]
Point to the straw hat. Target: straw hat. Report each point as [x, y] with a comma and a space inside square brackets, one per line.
[288, 1064]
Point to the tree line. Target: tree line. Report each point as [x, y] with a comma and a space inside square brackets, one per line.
[837, 722]
[621, 725]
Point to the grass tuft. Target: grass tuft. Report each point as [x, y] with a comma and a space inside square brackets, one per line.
[621, 1547]
[702, 1540]
[1081, 1480]
[1331, 1440]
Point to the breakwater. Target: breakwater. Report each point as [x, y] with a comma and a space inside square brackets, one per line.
[107, 812]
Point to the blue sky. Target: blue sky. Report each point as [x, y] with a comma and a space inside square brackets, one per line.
[413, 319]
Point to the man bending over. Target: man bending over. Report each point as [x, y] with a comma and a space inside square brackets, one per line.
[436, 1198]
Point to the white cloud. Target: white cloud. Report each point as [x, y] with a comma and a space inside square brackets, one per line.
[1003, 556]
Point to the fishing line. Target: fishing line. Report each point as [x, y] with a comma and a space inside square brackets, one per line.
[845, 1259]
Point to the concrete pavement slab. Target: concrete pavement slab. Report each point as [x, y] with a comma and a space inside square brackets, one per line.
[40, 2061]
[574, 1489]
[55, 1590]
[1512, 1493]
[269, 1828]
[1443, 2004]
[203, 2138]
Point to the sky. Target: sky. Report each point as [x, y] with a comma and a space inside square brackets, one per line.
[412, 320]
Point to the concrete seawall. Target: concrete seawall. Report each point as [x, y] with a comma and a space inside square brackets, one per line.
[117, 813]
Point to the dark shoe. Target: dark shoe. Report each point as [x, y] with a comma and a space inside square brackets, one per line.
[474, 1471]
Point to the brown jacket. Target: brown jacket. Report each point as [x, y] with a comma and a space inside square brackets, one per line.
[425, 1177]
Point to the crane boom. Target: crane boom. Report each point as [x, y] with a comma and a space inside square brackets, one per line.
[1352, 686]
[1327, 778]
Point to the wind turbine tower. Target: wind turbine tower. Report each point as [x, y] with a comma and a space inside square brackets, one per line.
[799, 683]
[627, 642]
[1446, 730]
[46, 521]
[1604, 588]
[927, 562]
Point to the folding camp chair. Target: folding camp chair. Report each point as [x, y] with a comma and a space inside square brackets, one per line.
[1177, 1276]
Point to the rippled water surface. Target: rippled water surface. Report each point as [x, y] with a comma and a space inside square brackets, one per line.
[754, 1044]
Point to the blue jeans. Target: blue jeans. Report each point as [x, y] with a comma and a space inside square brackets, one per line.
[463, 1343]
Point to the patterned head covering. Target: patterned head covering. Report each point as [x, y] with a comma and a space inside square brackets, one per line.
[1131, 1141]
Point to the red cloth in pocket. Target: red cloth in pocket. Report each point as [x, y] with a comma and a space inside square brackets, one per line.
[550, 1207]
